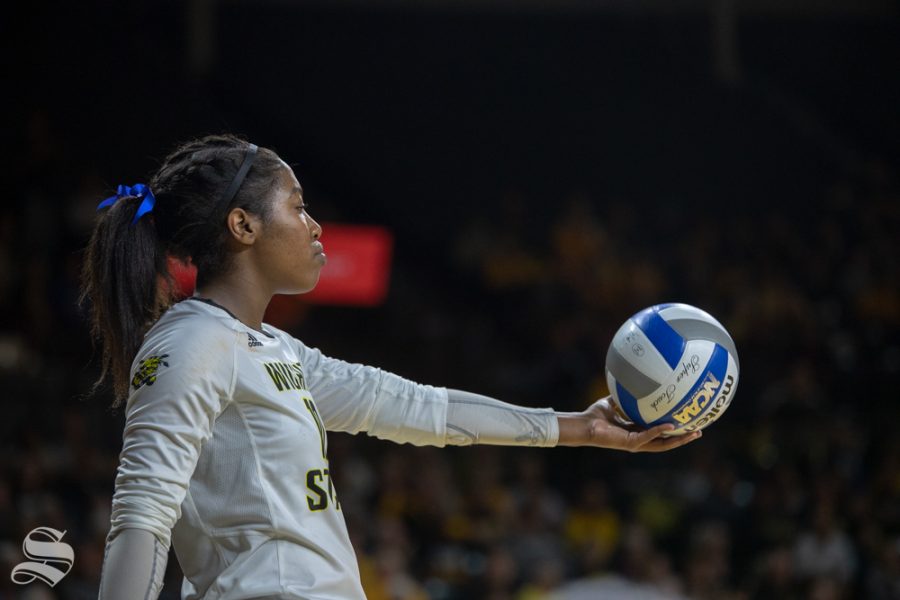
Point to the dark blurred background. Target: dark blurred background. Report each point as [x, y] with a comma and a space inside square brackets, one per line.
[547, 169]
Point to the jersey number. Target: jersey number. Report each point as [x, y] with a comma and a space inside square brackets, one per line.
[318, 421]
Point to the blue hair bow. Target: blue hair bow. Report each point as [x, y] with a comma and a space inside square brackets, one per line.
[141, 191]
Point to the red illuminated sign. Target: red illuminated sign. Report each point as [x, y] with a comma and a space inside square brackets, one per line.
[356, 274]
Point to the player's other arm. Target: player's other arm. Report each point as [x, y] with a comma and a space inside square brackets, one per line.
[178, 390]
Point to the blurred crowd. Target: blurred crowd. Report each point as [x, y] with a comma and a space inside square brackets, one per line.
[793, 494]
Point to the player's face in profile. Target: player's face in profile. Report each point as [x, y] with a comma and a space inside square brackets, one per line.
[289, 249]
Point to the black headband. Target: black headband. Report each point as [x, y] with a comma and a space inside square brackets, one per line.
[235, 185]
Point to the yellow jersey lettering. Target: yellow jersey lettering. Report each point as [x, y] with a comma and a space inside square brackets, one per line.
[286, 376]
[317, 498]
[699, 400]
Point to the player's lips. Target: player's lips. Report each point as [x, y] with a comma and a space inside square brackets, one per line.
[319, 252]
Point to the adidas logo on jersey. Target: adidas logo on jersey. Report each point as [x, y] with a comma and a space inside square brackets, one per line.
[253, 342]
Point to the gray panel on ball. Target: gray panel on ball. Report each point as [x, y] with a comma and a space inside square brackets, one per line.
[638, 384]
[692, 329]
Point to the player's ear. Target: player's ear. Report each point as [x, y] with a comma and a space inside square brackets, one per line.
[243, 227]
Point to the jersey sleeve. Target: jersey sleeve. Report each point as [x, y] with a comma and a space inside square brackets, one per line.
[181, 381]
[353, 398]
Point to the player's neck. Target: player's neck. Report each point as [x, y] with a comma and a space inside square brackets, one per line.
[245, 299]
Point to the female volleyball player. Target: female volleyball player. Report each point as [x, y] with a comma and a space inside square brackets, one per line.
[225, 450]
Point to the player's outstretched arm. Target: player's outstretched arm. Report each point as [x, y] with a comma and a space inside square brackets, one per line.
[601, 426]
[355, 398]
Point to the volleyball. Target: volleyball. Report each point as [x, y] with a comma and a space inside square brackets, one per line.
[672, 363]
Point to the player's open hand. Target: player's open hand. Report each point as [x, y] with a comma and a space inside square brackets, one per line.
[600, 425]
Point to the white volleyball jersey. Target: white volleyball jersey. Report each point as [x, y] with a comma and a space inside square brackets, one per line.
[225, 449]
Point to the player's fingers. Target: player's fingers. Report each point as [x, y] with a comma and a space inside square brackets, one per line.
[642, 438]
[670, 443]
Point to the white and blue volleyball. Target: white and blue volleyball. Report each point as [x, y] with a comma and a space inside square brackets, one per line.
[672, 363]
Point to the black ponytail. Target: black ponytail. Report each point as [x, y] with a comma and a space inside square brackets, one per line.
[123, 267]
[126, 283]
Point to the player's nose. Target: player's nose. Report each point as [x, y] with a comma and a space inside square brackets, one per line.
[316, 229]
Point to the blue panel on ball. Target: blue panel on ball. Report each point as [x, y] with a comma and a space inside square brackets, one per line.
[629, 405]
[661, 335]
[705, 389]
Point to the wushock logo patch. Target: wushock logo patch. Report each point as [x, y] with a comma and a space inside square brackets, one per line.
[49, 558]
[148, 369]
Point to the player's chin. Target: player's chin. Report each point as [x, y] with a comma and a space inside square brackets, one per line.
[302, 285]
[310, 284]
